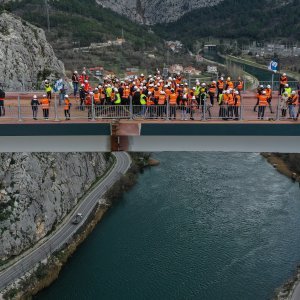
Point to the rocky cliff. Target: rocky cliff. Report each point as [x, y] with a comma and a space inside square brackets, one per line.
[155, 11]
[25, 54]
[38, 190]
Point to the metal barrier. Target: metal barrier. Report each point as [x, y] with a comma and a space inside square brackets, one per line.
[276, 111]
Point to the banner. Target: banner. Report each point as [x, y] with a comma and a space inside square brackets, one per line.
[273, 66]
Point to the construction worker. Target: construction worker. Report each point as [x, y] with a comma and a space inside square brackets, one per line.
[67, 107]
[143, 103]
[260, 89]
[284, 104]
[292, 103]
[197, 92]
[161, 109]
[203, 95]
[263, 102]
[224, 106]
[97, 101]
[2, 98]
[269, 95]
[48, 89]
[237, 104]
[229, 84]
[150, 112]
[230, 102]
[173, 103]
[287, 89]
[212, 92]
[88, 104]
[82, 95]
[34, 106]
[108, 92]
[283, 82]
[220, 87]
[75, 81]
[126, 94]
[83, 77]
[45, 102]
[239, 85]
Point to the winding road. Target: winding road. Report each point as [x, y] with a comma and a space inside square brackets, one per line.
[66, 231]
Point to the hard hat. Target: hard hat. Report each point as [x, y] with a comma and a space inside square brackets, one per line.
[86, 81]
[228, 78]
[44, 96]
[264, 92]
[222, 78]
[194, 88]
[236, 92]
[285, 93]
[261, 86]
[149, 93]
[83, 72]
[172, 90]
[34, 97]
[286, 85]
[46, 81]
[75, 72]
[224, 92]
[293, 93]
[82, 85]
[228, 92]
[284, 74]
[186, 83]
[170, 78]
[193, 98]
[138, 90]
[197, 83]
[268, 86]
[116, 90]
[213, 82]
[66, 96]
[142, 75]
[91, 93]
[203, 84]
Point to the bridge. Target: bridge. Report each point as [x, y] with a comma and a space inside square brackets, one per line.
[134, 128]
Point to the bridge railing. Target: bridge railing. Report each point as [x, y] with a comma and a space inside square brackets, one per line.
[276, 84]
[18, 111]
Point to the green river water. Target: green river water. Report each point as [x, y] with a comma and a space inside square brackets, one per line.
[200, 226]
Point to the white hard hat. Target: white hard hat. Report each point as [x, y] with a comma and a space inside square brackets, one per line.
[138, 90]
[213, 82]
[193, 98]
[203, 84]
[222, 78]
[268, 86]
[46, 81]
[194, 88]
[261, 86]
[44, 96]
[83, 72]
[34, 97]
[293, 93]
[284, 74]
[142, 75]
[86, 81]
[66, 96]
[75, 72]
[228, 78]
[228, 92]
[96, 89]
[286, 85]
[91, 93]
[264, 92]
[116, 90]
[236, 92]
[82, 85]
[224, 92]
[149, 93]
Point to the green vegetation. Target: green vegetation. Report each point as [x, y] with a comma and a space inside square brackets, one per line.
[242, 20]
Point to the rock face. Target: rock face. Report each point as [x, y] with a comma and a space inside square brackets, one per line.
[155, 11]
[38, 190]
[25, 55]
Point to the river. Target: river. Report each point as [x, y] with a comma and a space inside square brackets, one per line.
[200, 226]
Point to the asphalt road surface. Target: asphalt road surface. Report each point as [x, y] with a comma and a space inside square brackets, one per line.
[66, 232]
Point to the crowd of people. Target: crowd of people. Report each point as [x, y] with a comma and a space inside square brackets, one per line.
[155, 96]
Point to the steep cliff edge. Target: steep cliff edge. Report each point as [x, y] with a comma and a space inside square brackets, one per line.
[38, 190]
[25, 55]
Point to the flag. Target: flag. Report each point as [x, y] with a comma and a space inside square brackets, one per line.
[273, 66]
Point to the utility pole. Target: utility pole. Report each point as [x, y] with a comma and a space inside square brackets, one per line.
[47, 12]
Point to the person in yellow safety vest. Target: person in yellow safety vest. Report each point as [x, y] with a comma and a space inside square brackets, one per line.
[143, 102]
[48, 89]
[237, 105]
[173, 97]
[262, 102]
[197, 92]
[67, 107]
[223, 105]
[117, 97]
[108, 93]
[288, 90]
[45, 102]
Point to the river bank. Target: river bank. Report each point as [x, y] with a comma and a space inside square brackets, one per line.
[282, 163]
[47, 271]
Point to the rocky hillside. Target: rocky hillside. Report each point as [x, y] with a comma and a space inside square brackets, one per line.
[25, 55]
[155, 11]
[38, 190]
